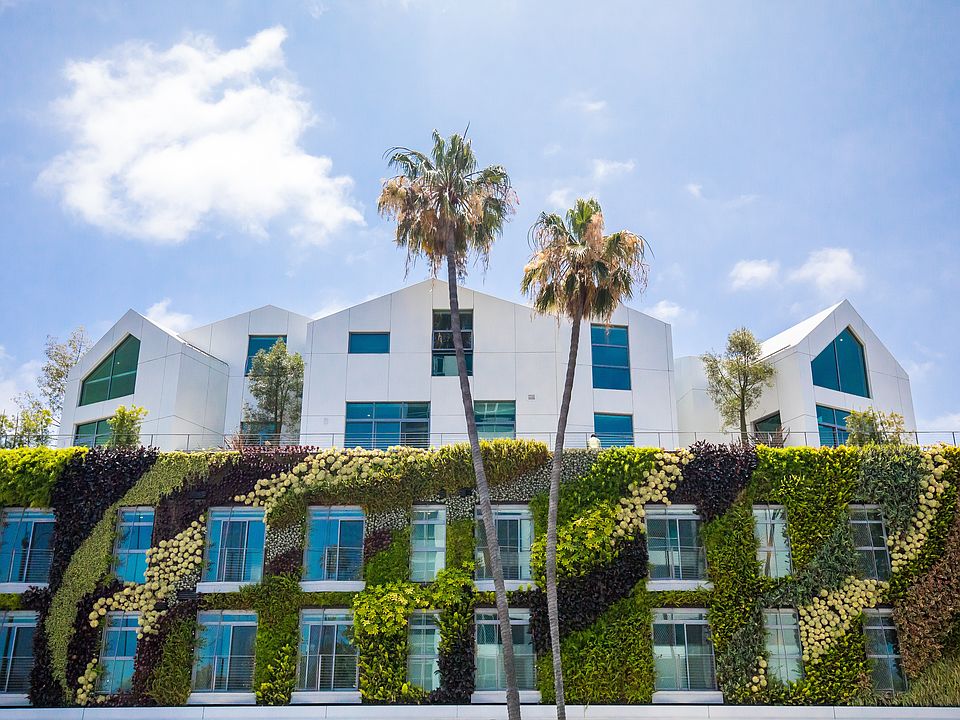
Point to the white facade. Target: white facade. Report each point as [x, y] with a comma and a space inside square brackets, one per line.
[793, 394]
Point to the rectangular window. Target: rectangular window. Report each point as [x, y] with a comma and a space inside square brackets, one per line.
[16, 641]
[784, 656]
[611, 356]
[673, 539]
[495, 419]
[380, 425]
[368, 343]
[870, 539]
[832, 425]
[328, 658]
[134, 533]
[490, 675]
[118, 651]
[682, 650]
[444, 356]
[773, 548]
[428, 542]
[225, 651]
[613, 430]
[259, 433]
[334, 548]
[424, 642]
[115, 377]
[26, 546]
[93, 433]
[883, 652]
[256, 343]
[515, 534]
[234, 545]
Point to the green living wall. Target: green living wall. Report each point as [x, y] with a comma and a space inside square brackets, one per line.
[606, 599]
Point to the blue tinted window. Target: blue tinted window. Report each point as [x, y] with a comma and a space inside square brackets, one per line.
[134, 533]
[495, 419]
[235, 539]
[611, 357]
[334, 549]
[369, 343]
[613, 429]
[842, 366]
[381, 425]
[256, 343]
[115, 377]
[832, 425]
[97, 432]
[26, 545]
[17, 629]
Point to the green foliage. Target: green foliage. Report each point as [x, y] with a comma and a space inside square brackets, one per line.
[938, 685]
[461, 543]
[842, 675]
[28, 427]
[890, 476]
[10, 601]
[275, 382]
[281, 679]
[277, 603]
[28, 474]
[125, 426]
[582, 544]
[874, 427]
[61, 357]
[391, 565]
[171, 681]
[736, 379]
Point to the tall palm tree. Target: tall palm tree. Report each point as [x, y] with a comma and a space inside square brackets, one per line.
[578, 273]
[448, 210]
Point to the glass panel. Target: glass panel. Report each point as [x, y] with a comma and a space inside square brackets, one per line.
[424, 651]
[235, 545]
[489, 648]
[225, 651]
[95, 390]
[883, 652]
[256, 343]
[444, 359]
[773, 548]
[515, 536]
[428, 534]
[824, 369]
[496, 419]
[125, 357]
[382, 425]
[16, 645]
[328, 660]
[134, 533]
[852, 364]
[334, 549]
[119, 650]
[768, 424]
[613, 430]
[683, 653]
[115, 377]
[368, 343]
[674, 547]
[611, 378]
[25, 546]
[611, 357]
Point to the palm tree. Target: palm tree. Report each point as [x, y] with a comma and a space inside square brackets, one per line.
[446, 211]
[578, 273]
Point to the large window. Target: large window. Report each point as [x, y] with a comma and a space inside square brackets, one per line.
[328, 658]
[832, 425]
[428, 542]
[115, 377]
[613, 430]
[234, 545]
[368, 343]
[870, 539]
[134, 532]
[26, 548]
[842, 366]
[256, 432]
[424, 643]
[784, 656]
[256, 343]
[682, 651]
[96, 432]
[444, 356]
[16, 644]
[673, 539]
[225, 651]
[496, 419]
[773, 548]
[515, 534]
[118, 651]
[611, 357]
[334, 544]
[883, 652]
[490, 675]
[379, 425]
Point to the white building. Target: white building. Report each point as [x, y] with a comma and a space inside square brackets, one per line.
[382, 373]
[827, 365]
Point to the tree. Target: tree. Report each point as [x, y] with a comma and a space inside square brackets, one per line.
[578, 273]
[125, 426]
[61, 357]
[447, 210]
[736, 379]
[29, 426]
[875, 427]
[276, 383]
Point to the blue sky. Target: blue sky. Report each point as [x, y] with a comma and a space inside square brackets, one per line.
[199, 159]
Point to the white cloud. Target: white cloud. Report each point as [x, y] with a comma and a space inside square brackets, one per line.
[16, 378]
[666, 310]
[748, 274]
[165, 141]
[946, 422]
[607, 169]
[741, 201]
[695, 189]
[593, 106]
[831, 270]
[335, 303]
[162, 315]
[316, 8]
[560, 198]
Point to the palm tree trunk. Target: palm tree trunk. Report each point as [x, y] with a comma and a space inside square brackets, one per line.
[553, 610]
[483, 492]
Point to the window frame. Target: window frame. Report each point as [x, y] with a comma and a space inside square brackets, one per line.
[404, 436]
[883, 548]
[338, 514]
[837, 431]
[618, 370]
[444, 352]
[325, 617]
[420, 621]
[610, 438]
[366, 335]
[111, 360]
[893, 661]
[501, 513]
[126, 662]
[672, 617]
[828, 360]
[519, 618]
[235, 514]
[100, 437]
[496, 420]
[248, 365]
[12, 622]
[26, 576]
[768, 550]
[118, 551]
[779, 658]
[676, 514]
[219, 618]
[439, 548]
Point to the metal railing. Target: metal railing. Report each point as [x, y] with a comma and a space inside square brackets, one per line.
[334, 563]
[15, 673]
[28, 565]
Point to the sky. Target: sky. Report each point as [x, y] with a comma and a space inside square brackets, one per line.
[195, 160]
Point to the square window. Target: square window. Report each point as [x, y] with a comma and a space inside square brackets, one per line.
[328, 658]
[334, 549]
[489, 660]
[225, 651]
[235, 537]
[515, 535]
[613, 430]
[256, 343]
[673, 541]
[496, 419]
[26, 546]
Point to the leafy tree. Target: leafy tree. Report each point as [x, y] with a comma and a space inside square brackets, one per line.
[125, 426]
[61, 357]
[448, 209]
[578, 273]
[28, 427]
[875, 427]
[736, 379]
[276, 383]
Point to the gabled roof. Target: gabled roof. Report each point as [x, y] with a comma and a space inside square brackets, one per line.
[794, 335]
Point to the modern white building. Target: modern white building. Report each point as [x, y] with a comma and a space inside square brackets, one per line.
[826, 366]
[383, 373]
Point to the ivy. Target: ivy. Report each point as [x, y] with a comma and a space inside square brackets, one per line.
[170, 681]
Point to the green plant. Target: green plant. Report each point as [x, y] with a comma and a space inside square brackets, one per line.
[461, 543]
[125, 426]
[28, 474]
[170, 682]
[277, 601]
[874, 427]
[391, 565]
[280, 678]
[275, 382]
